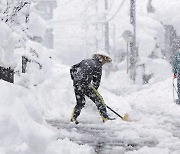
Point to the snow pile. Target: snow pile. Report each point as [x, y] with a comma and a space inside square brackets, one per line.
[22, 128]
[36, 26]
[67, 147]
[161, 69]
[38, 64]
[8, 41]
[56, 93]
[157, 118]
[149, 34]
[19, 23]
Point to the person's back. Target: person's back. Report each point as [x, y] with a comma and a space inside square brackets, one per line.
[86, 72]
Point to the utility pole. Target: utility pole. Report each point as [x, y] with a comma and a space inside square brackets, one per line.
[106, 37]
[96, 8]
[86, 30]
[133, 49]
[127, 58]
[114, 37]
[128, 37]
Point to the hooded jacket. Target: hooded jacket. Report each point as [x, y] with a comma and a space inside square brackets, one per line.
[88, 71]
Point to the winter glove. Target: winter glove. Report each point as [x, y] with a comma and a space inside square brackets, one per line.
[174, 76]
[72, 74]
[96, 81]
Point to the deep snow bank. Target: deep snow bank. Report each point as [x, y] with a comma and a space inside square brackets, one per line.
[23, 129]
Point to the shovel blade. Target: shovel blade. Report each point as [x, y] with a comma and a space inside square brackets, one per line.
[126, 117]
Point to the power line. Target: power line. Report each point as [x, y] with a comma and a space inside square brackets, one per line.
[70, 20]
[109, 10]
[79, 19]
[116, 11]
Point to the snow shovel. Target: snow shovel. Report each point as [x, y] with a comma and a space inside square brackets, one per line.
[125, 117]
[177, 101]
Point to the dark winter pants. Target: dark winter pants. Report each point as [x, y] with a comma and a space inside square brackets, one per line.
[80, 93]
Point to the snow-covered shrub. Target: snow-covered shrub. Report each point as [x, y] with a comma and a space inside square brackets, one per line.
[20, 25]
[8, 41]
[38, 65]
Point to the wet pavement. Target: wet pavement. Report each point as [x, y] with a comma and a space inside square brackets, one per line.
[102, 139]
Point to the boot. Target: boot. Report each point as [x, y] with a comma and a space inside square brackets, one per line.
[103, 114]
[74, 116]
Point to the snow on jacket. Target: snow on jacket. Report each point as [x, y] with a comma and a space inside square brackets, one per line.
[176, 62]
[88, 71]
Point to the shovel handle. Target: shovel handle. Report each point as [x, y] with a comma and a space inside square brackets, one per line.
[114, 112]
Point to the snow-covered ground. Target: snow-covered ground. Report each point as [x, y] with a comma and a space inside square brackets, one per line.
[24, 111]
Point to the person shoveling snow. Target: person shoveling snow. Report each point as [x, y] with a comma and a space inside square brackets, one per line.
[86, 77]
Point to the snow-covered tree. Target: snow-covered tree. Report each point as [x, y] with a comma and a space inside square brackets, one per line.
[20, 28]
